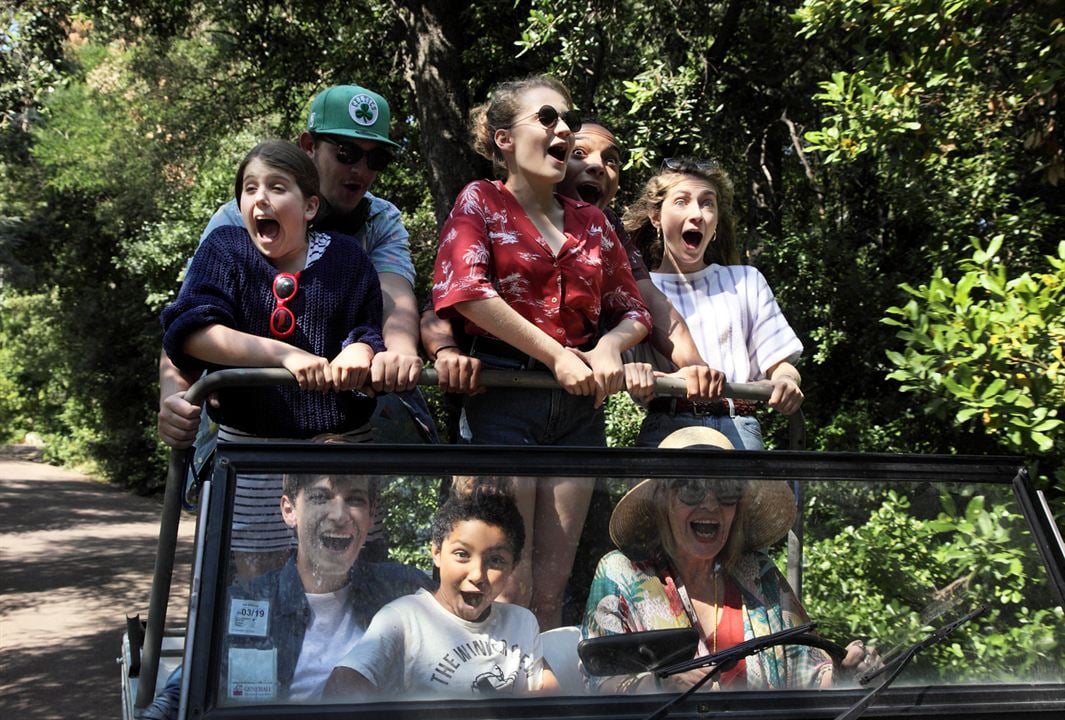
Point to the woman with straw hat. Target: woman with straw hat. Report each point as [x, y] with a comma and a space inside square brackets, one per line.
[690, 555]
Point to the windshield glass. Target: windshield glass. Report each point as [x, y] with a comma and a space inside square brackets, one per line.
[348, 587]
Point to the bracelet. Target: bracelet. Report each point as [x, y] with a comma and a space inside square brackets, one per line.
[444, 347]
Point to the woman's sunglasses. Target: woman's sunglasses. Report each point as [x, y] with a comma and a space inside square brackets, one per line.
[682, 165]
[282, 320]
[693, 491]
[548, 117]
[377, 159]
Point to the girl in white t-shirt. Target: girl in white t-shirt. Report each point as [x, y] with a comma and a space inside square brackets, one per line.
[683, 224]
[456, 641]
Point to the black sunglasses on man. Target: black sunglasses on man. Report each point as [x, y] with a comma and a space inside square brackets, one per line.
[377, 159]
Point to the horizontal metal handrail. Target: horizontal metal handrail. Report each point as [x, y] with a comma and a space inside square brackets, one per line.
[258, 377]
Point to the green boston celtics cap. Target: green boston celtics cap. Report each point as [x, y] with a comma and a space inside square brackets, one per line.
[350, 111]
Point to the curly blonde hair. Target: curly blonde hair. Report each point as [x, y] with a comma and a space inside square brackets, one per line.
[502, 108]
[723, 250]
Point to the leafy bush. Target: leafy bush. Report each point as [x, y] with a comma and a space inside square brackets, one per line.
[623, 419]
[410, 504]
[30, 388]
[904, 574]
[988, 349]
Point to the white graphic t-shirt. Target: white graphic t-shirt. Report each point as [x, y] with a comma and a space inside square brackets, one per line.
[416, 647]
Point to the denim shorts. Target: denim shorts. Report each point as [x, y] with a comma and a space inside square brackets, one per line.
[518, 416]
[743, 431]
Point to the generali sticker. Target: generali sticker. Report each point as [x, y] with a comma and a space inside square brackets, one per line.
[252, 674]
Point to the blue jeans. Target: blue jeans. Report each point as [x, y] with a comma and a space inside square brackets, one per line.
[743, 431]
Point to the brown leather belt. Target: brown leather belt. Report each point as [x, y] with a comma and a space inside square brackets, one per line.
[674, 406]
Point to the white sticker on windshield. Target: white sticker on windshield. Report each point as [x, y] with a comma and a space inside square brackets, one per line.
[249, 617]
[252, 674]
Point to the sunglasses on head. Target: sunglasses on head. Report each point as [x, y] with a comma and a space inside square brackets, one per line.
[282, 320]
[693, 491]
[686, 165]
[377, 158]
[548, 116]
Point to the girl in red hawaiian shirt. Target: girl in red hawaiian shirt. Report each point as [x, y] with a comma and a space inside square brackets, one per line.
[541, 281]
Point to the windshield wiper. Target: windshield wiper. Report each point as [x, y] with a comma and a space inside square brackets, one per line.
[895, 665]
[724, 660]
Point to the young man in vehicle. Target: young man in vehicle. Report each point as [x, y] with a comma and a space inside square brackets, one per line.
[284, 631]
[320, 603]
[347, 137]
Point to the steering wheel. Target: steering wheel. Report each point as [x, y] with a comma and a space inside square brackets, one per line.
[655, 650]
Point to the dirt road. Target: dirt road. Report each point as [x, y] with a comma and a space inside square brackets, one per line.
[76, 556]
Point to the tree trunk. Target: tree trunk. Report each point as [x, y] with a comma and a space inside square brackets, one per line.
[763, 190]
[435, 75]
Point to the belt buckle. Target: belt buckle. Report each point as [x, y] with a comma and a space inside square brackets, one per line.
[700, 409]
[732, 411]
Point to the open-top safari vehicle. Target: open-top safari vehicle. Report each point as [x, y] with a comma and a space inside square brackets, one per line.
[952, 566]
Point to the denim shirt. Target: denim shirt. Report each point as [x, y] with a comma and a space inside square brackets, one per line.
[373, 585]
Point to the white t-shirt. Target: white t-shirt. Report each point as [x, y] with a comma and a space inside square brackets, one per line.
[416, 647]
[734, 319]
[331, 635]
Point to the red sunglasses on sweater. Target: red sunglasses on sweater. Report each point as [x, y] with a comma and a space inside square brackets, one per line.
[282, 320]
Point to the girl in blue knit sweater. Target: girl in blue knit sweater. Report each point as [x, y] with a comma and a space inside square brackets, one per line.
[275, 294]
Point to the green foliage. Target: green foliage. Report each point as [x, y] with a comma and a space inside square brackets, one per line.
[623, 419]
[29, 389]
[411, 503]
[904, 574]
[989, 348]
[953, 103]
[95, 175]
[32, 59]
[868, 117]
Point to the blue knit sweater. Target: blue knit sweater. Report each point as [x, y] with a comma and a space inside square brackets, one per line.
[338, 303]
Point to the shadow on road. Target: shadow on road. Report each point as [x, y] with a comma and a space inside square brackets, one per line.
[26, 508]
[76, 556]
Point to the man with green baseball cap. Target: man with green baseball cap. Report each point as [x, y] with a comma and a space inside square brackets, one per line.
[347, 137]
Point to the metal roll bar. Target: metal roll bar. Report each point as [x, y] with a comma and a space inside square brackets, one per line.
[260, 377]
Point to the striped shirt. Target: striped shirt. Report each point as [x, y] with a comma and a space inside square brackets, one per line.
[734, 318]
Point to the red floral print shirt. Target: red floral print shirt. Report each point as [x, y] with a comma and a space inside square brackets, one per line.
[490, 248]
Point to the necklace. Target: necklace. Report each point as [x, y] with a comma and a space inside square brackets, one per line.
[714, 606]
[677, 583]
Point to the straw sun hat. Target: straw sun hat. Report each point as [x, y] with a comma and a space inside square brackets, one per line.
[768, 507]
